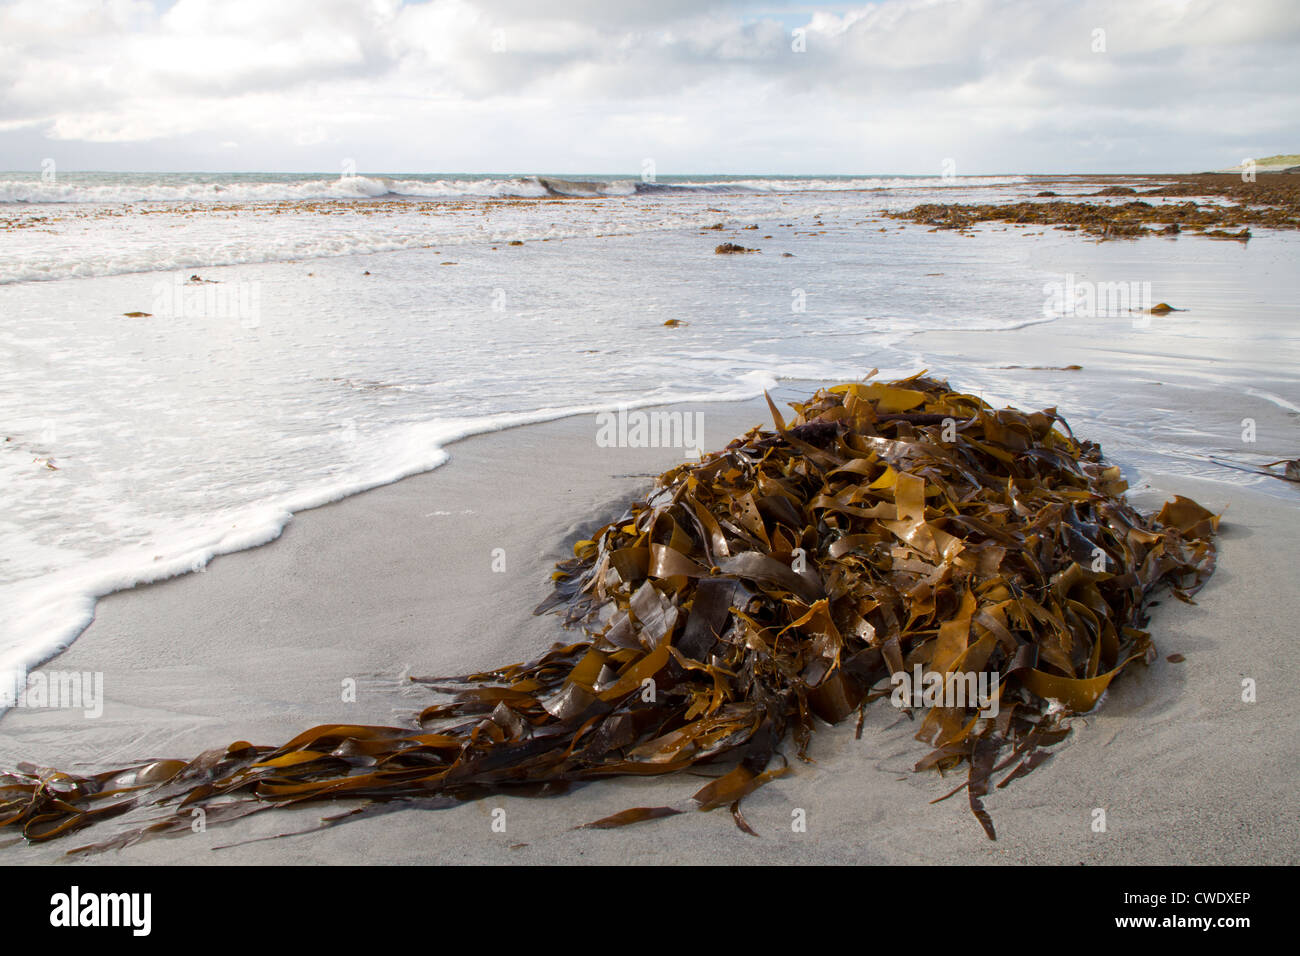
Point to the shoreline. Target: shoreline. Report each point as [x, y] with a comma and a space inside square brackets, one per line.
[256, 647]
[279, 515]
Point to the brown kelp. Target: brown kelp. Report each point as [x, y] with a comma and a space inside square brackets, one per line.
[796, 574]
[1272, 202]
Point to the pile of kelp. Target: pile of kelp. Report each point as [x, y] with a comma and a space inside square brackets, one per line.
[794, 575]
[1272, 202]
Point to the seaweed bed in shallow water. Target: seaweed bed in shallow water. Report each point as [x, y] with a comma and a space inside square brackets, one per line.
[785, 578]
[1273, 203]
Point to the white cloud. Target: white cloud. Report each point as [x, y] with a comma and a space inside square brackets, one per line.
[589, 85]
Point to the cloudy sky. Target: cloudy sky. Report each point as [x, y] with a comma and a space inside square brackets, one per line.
[572, 86]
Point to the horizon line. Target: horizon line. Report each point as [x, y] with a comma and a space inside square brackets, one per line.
[623, 175]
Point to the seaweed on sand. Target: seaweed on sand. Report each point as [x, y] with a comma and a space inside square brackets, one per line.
[794, 575]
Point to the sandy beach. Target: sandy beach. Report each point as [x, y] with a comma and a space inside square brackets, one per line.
[398, 581]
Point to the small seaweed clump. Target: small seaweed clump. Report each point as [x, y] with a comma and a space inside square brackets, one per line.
[797, 574]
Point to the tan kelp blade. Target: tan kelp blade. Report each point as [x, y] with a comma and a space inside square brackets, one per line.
[888, 529]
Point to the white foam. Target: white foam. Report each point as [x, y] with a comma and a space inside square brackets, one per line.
[45, 615]
[872, 183]
[372, 187]
[344, 187]
[1277, 400]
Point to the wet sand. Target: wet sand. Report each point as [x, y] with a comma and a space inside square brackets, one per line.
[399, 581]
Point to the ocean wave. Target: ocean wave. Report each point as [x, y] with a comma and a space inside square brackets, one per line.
[344, 187]
[577, 188]
[838, 185]
[358, 187]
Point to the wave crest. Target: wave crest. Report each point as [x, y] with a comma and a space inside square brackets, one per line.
[360, 187]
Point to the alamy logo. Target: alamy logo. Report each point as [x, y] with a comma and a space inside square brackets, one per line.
[205, 299]
[924, 688]
[637, 429]
[1095, 299]
[73, 690]
[74, 908]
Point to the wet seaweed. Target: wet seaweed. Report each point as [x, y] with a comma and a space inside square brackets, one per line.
[1290, 468]
[1272, 202]
[789, 579]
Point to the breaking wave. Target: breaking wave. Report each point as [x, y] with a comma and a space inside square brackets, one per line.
[103, 188]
